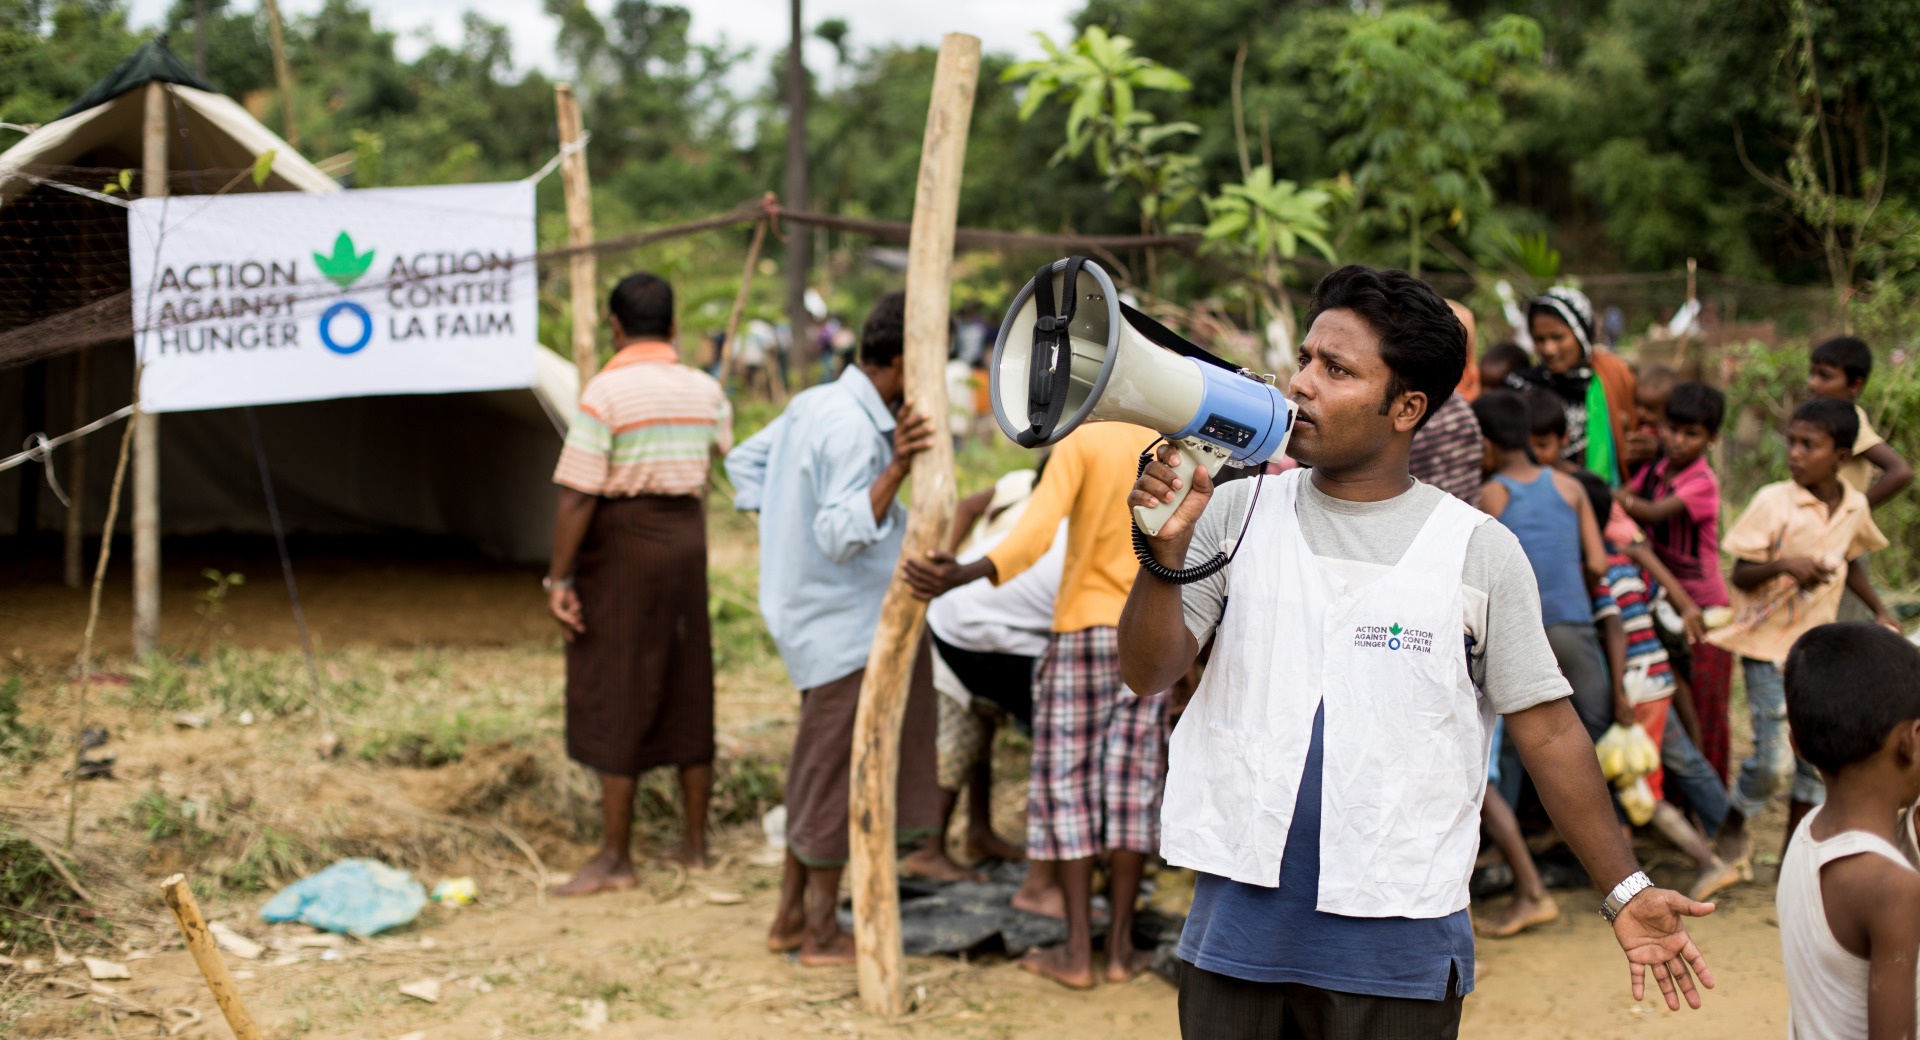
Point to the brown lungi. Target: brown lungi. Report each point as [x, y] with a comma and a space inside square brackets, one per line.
[640, 679]
[818, 778]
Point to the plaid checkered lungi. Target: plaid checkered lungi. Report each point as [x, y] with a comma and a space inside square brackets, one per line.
[1099, 760]
[1712, 682]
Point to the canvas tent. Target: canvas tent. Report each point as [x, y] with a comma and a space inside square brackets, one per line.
[471, 466]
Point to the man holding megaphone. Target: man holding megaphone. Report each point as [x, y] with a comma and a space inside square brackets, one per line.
[1325, 780]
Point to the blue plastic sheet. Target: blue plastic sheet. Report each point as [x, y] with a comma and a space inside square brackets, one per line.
[354, 896]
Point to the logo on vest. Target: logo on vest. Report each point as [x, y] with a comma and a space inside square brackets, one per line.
[1392, 637]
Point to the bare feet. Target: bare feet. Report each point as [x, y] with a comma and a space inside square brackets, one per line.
[787, 933]
[990, 846]
[1125, 964]
[692, 858]
[606, 872]
[1718, 875]
[1049, 901]
[1735, 846]
[837, 950]
[1521, 914]
[933, 864]
[1054, 962]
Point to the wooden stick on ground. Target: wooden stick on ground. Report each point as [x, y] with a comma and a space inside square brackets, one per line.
[93, 620]
[206, 955]
[883, 694]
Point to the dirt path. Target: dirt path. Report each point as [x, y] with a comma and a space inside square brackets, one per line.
[668, 962]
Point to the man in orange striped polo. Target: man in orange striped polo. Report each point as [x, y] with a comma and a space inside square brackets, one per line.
[628, 581]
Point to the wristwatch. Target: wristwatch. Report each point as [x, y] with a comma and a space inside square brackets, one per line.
[547, 582]
[1623, 893]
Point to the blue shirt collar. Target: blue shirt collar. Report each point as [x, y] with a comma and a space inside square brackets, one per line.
[857, 384]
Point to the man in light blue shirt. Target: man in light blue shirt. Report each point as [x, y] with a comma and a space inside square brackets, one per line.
[823, 477]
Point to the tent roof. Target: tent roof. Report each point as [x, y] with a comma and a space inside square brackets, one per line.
[211, 132]
[151, 63]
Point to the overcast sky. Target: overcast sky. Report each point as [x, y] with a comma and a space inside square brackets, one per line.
[1002, 25]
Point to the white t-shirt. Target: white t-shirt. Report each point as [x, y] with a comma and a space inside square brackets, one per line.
[1014, 617]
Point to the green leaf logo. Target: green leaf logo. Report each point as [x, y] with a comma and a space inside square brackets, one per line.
[345, 266]
[1394, 629]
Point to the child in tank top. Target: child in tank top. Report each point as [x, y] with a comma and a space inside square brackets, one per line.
[1849, 897]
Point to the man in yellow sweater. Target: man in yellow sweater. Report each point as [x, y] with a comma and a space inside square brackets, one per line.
[1098, 759]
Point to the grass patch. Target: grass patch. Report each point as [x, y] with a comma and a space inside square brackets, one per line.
[37, 891]
[21, 743]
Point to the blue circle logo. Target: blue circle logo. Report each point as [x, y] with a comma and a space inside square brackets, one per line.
[326, 327]
[1393, 644]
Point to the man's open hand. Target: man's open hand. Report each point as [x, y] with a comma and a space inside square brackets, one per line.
[1653, 932]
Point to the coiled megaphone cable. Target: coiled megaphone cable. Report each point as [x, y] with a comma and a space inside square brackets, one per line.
[1143, 550]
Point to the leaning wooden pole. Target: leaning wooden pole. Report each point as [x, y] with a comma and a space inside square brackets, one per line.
[883, 695]
[583, 273]
[740, 302]
[146, 425]
[206, 955]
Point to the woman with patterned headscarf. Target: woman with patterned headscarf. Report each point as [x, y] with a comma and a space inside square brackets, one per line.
[1596, 387]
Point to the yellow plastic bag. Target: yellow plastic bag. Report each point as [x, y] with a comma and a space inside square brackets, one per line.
[1637, 799]
[1626, 753]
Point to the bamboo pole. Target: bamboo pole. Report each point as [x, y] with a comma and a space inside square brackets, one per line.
[73, 551]
[146, 425]
[93, 624]
[740, 301]
[282, 73]
[883, 694]
[583, 271]
[206, 955]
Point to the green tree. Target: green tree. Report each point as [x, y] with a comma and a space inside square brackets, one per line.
[1422, 100]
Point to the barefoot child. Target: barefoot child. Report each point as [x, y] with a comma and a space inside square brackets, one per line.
[1849, 899]
[1839, 369]
[1677, 499]
[1796, 545]
[1645, 692]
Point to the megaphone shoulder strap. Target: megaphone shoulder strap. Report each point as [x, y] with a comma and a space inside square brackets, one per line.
[1050, 365]
[1161, 336]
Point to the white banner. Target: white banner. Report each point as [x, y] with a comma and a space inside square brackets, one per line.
[274, 297]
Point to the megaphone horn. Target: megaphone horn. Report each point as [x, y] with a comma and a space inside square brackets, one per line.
[1071, 352]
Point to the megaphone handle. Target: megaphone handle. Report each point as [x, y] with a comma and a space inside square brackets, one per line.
[1151, 520]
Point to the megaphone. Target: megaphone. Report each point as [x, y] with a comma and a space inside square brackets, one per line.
[1071, 352]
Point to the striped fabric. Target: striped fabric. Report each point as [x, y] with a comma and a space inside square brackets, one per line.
[647, 426]
[1626, 594]
[1446, 451]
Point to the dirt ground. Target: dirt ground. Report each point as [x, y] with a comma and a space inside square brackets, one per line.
[677, 957]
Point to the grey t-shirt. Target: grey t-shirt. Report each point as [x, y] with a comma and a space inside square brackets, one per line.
[1510, 660]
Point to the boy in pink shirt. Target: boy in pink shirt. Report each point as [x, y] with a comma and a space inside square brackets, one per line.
[1677, 499]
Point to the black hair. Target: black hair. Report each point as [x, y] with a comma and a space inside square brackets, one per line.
[1849, 354]
[1848, 685]
[884, 335]
[1599, 496]
[1502, 416]
[1546, 413]
[1657, 378]
[1508, 353]
[1836, 417]
[643, 304]
[1421, 340]
[1697, 404]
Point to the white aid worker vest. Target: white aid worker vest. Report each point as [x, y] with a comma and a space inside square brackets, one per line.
[1406, 733]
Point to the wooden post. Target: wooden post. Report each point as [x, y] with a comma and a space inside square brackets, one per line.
[73, 566]
[206, 955]
[800, 349]
[740, 301]
[582, 273]
[282, 73]
[146, 425]
[883, 694]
